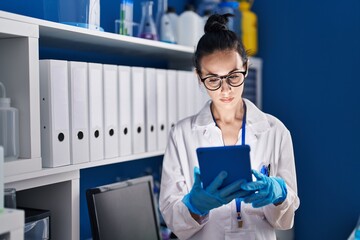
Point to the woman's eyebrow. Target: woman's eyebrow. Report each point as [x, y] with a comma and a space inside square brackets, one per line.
[214, 74]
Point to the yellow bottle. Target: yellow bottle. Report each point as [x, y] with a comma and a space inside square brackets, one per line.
[248, 28]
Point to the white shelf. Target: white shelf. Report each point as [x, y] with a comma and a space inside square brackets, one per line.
[46, 172]
[70, 37]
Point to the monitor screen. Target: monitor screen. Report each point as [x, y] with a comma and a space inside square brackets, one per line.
[124, 210]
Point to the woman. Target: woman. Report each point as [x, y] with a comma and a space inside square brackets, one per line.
[242, 210]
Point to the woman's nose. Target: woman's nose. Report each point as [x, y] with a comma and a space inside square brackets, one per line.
[225, 86]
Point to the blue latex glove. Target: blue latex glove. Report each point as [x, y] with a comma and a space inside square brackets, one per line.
[200, 201]
[268, 190]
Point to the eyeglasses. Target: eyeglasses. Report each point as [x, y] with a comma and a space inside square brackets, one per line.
[234, 79]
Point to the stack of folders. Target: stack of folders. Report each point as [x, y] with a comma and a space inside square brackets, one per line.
[92, 111]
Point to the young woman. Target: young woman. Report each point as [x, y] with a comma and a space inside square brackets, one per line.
[241, 210]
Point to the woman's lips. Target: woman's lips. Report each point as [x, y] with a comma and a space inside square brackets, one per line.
[226, 100]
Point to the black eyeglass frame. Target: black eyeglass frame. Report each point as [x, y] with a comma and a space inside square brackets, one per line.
[226, 78]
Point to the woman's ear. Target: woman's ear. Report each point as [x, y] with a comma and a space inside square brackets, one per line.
[197, 73]
[247, 67]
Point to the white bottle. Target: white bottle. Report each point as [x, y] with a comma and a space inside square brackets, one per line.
[171, 12]
[190, 27]
[9, 127]
[167, 33]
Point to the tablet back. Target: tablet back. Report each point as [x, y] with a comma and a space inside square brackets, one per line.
[235, 160]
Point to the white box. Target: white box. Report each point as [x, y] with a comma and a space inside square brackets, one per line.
[162, 125]
[125, 125]
[171, 98]
[96, 111]
[12, 222]
[79, 112]
[150, 110]
[111, 131]
[138, 109]
[54, 112]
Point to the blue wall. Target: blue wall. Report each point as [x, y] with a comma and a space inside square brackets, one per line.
[311, 82]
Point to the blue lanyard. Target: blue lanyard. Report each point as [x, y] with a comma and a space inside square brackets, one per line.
[243, 133]
[238, 200]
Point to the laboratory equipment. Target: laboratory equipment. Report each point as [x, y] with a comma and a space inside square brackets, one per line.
[206, 6]
[124, 210]
[147, 25]
[167, 30]
[232, 7]
[190, 27]
[10, 198]
[171, 12]
[126, 18]
[9, 127]
[84, 13]
[249, 28]
[161, 10]
[37, 224]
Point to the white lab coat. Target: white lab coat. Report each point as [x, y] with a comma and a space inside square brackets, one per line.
[270, 143]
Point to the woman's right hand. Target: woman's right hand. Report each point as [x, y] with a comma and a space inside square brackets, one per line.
[200, 201]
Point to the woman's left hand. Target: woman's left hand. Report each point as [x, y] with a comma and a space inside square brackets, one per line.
[267, 190]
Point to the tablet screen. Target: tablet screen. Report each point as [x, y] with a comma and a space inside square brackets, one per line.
[235, 160]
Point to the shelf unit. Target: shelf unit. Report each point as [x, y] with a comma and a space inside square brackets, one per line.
[57, 189]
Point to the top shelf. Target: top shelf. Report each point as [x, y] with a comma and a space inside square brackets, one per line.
[59, 35]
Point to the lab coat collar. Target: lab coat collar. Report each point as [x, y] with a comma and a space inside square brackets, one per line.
[256, 120]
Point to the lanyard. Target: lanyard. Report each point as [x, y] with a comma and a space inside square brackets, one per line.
[243, 133]
[238, 200]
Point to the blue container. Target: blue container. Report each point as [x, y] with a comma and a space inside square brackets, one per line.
[80, 13]
[232, 7]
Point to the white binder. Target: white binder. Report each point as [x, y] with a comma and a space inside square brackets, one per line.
[171, 98]
[111, 131]
[138, 109]
[161, 108]
[192, 93]
[182, 101]
[79, 112]
[125, 129]
[96, 111]
[150, 110]
[54, 114]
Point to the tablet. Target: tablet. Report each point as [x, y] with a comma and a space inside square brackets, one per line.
[235, 160]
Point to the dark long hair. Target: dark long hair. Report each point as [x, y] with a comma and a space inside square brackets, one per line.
[218, 37]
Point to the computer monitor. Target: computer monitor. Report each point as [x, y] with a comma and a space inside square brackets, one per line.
[124, 210]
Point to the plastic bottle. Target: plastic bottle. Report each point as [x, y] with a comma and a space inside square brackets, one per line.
[249, 28]
[126, 17]
[171, 12]
[161, 10]
[233, 8]
[167, 33]
[206, 16]
[9, 127]
[206, 6]
[147, 25]
[190, 27]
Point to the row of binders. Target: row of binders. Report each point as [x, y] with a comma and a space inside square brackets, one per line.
[92, 111]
